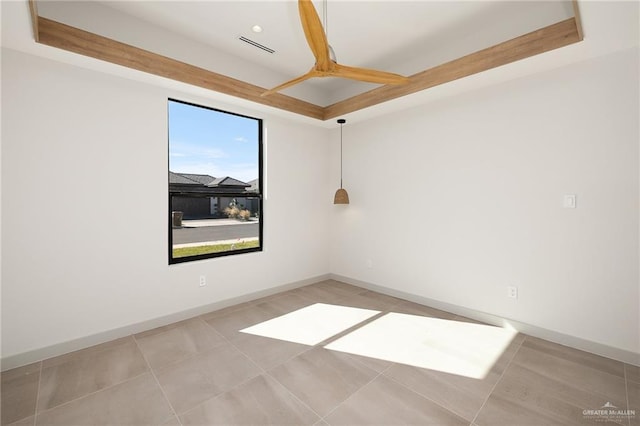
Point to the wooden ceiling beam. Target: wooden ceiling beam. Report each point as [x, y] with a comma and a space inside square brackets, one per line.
[69, 38]
[72, 39]
[534, 43]
[576, 15]
[33, 9]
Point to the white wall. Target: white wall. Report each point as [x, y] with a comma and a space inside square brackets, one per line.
[84, 207]
[455, 200]
[452, 201]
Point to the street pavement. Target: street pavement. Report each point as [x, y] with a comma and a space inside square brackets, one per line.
[198, 223]
[217, 232]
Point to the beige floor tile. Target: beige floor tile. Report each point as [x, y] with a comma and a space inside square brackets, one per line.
[284, 304]
[384, 402]
[525, 397]
[267, 353]
[88, 372]
[312, 324]
[412, 308]
[633, 389]
[135, 402]
[260, 401]
[229, 309]
[264, 351]
[85, 353]
[176, 342]
[230, 323]
[377, 365]
[371, 300]
[589, 372]
[203, 376]
[338, 287]
[19, 392]
[262, 299]
[552, 384]
[325, 292]
[347, 331]
[459, 394]
[173, 421]
[322, 379]
[575, 356]
[29, 421]
[632, 373]
[213, 374]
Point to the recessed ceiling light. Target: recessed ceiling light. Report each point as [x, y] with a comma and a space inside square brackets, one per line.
[256, 29]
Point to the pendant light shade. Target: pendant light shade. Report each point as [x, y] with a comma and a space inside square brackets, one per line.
[341, 196]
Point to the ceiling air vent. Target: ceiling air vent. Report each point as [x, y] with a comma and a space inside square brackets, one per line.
[256, 44]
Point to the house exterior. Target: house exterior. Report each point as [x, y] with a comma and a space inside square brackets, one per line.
[194, 206]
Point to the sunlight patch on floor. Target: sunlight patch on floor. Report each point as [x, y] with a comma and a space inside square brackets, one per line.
[312, 324]
[454, 347]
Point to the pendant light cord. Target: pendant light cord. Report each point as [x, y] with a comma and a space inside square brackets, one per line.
[341, 196]
[341, 121]
[341, 124]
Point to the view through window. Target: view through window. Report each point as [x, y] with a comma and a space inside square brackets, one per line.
[215, 185]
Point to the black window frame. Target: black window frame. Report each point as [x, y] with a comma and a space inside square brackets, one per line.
[246, 194]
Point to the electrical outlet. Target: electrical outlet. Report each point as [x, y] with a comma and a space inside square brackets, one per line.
[369, 263]
[570, 201]
[203, 280]
[512, 292]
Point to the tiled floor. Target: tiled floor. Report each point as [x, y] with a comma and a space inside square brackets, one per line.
[204, 371]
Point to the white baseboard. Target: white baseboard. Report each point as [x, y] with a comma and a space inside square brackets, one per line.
[29, 357]
[531, 330]
[40, 354]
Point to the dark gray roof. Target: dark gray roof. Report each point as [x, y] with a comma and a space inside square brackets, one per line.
[203, 179]
[190, 178]
[180, 178]
[253, 185]
[227, 181]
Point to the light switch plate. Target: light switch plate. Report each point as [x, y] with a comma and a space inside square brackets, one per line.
[570, 201]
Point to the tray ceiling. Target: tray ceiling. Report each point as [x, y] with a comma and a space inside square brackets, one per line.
[449, 39]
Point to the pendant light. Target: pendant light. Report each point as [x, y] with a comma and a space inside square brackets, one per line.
[341, 196]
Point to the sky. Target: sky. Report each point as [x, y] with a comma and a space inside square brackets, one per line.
[215, 143]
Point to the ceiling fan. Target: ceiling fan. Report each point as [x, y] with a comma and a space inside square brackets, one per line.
[326, 65]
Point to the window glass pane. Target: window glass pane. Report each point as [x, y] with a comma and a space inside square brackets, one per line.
[214, 182]
[212, 143]
[198, 236]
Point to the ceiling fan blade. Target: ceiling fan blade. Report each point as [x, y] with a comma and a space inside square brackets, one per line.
[368, 75]
[310, 74]
[315, 35]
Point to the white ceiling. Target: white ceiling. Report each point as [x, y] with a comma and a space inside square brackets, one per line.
[398, 36]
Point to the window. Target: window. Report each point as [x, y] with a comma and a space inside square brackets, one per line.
[215, 183]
